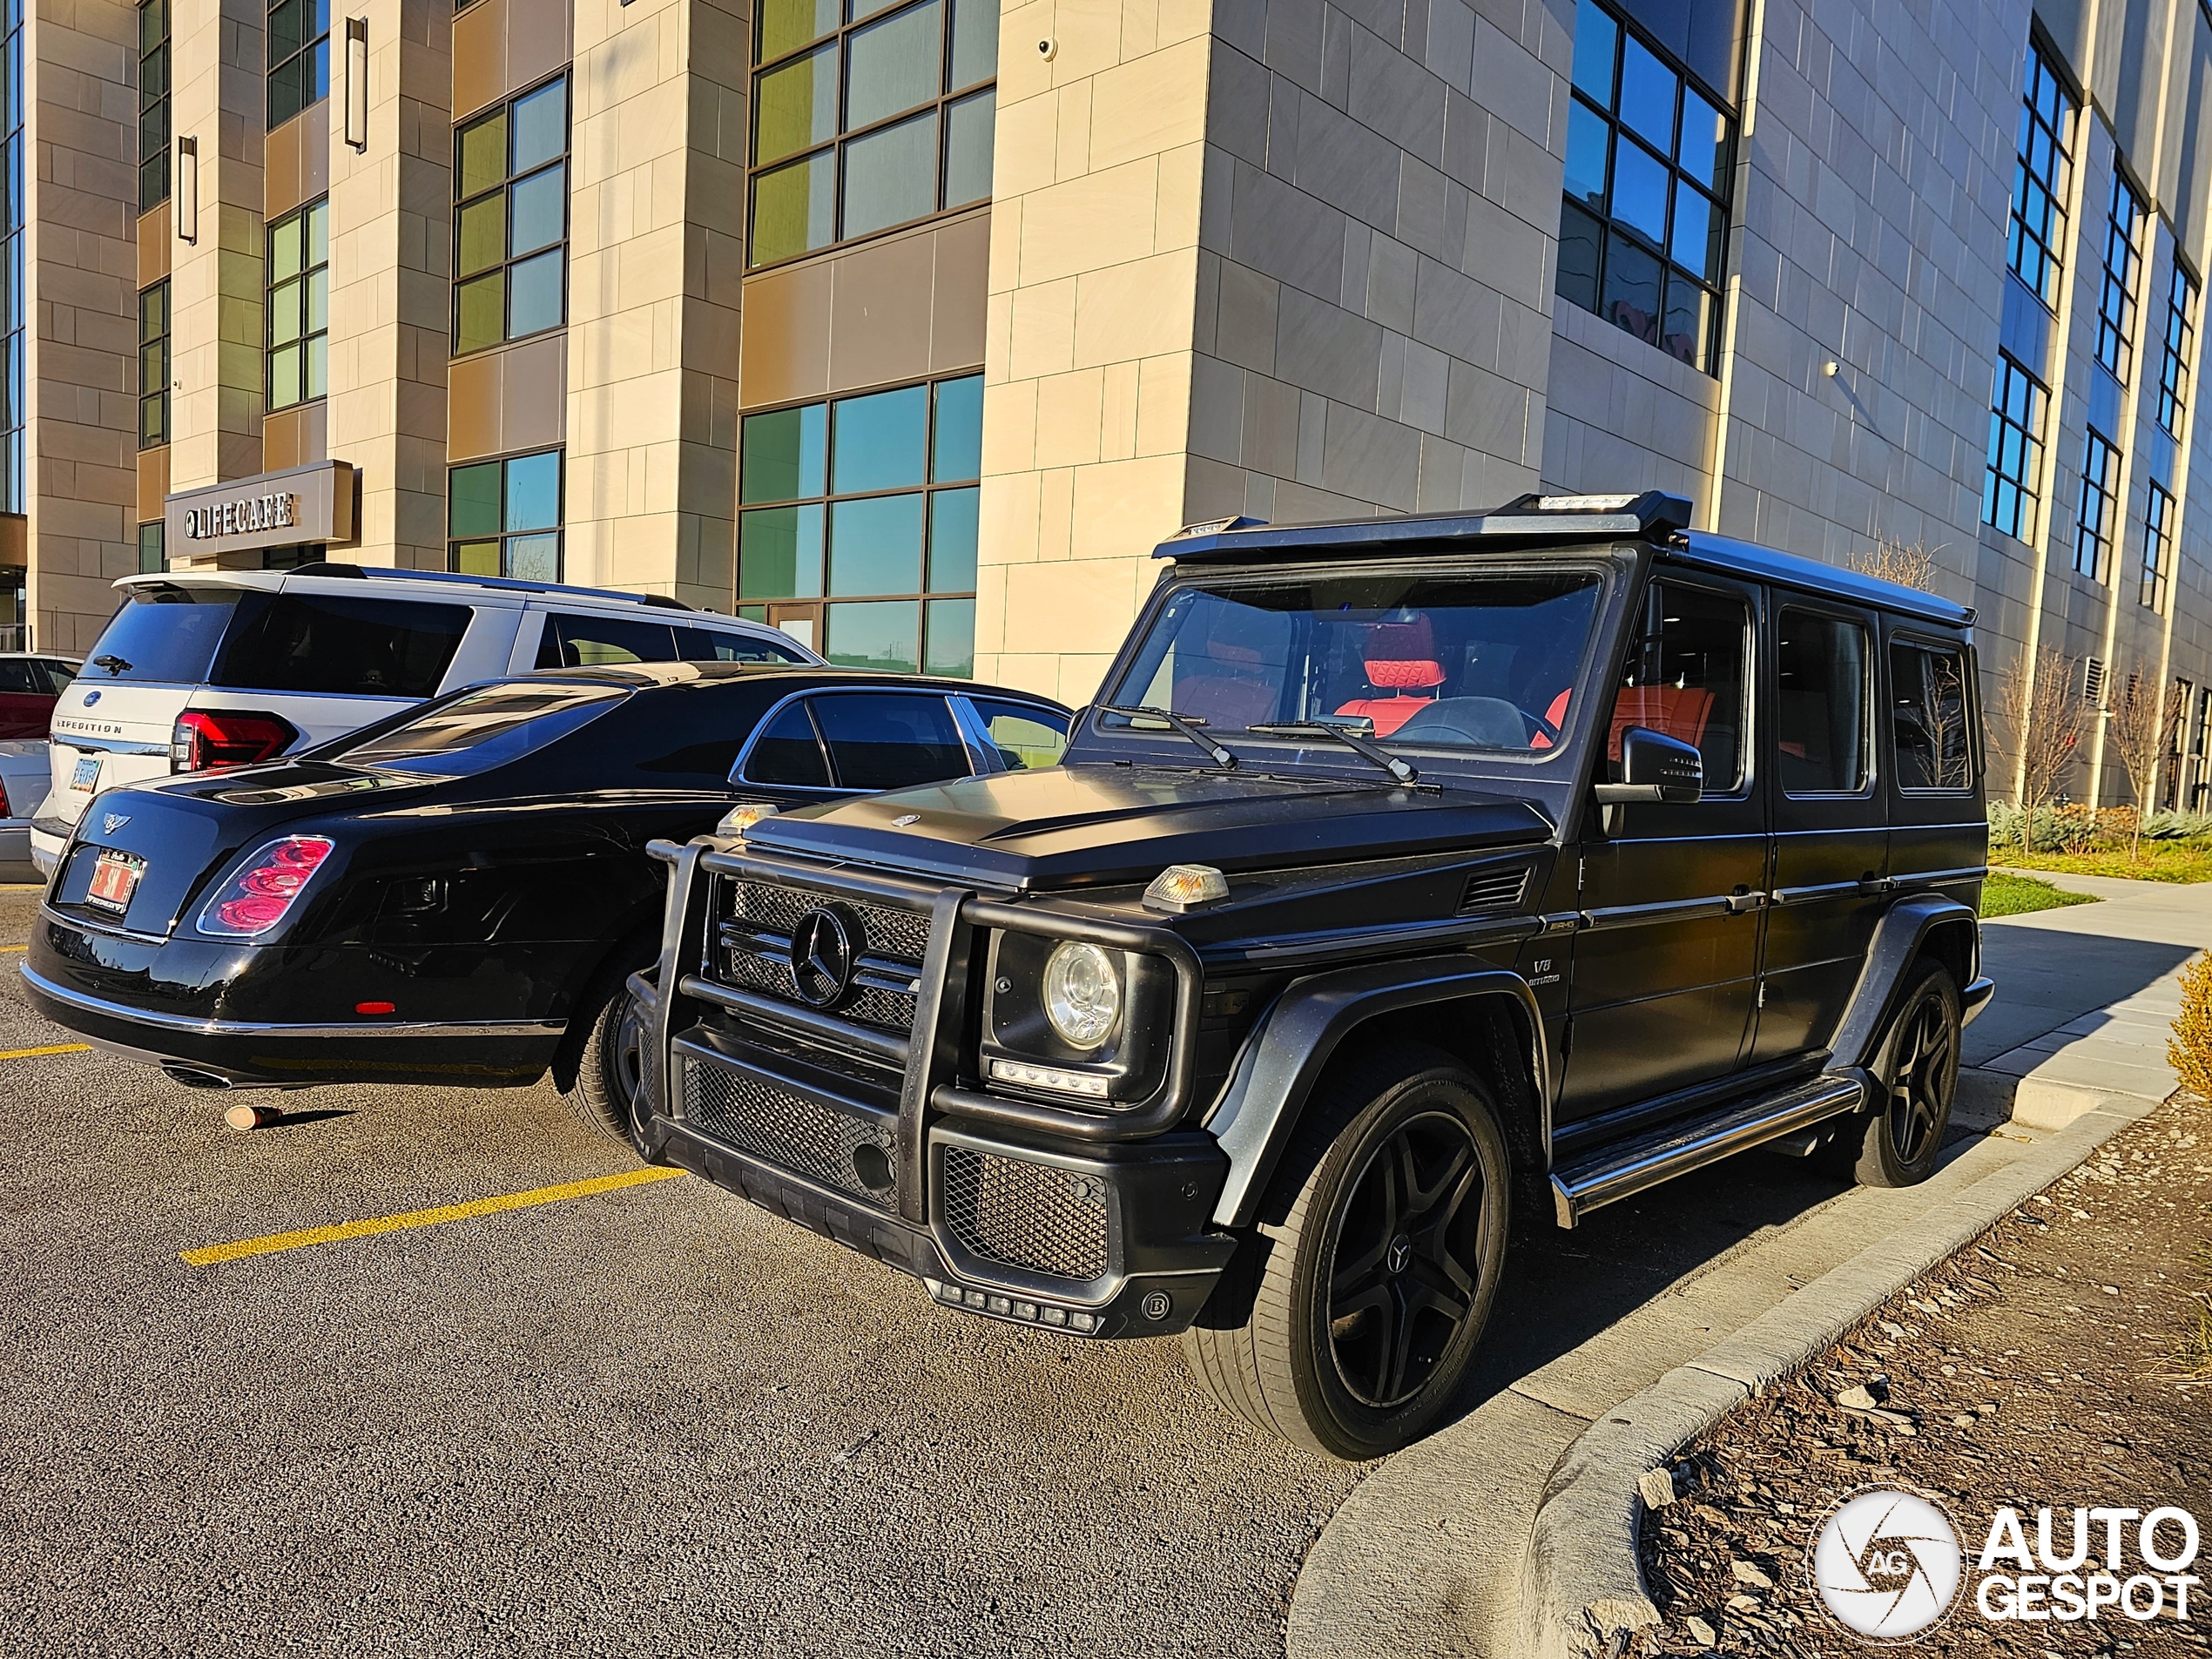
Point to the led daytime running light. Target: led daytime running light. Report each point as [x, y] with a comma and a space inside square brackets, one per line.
[1064, 1083]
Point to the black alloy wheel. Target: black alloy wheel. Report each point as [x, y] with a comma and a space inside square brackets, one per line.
[1349, 1317]
[1898, 1142]
[611, 1071]
[1405, 1260]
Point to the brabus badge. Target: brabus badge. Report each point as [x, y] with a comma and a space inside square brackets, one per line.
[904, 818]
[113, 821]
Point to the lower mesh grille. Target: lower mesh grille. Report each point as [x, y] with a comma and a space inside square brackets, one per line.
[791, 1131]
[1024, 1214]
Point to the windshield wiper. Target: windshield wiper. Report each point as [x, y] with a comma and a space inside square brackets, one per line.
[1374, 752]
[1181, 725]
[114, 665]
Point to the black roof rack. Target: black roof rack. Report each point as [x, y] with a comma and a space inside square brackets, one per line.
[331, 566]
[1654, 515]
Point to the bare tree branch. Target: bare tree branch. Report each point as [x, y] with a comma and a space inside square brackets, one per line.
[2041, 713]
[2142, 721]
[1909, 564]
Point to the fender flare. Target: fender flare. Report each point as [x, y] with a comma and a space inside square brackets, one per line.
[1896, 944]
[1299, 1034]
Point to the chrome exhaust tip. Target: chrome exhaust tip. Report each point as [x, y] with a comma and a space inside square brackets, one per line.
[194, 1076]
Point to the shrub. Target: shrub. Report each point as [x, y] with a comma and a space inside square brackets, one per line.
[2058, 829]
[2191, 1050]
[2176, 827]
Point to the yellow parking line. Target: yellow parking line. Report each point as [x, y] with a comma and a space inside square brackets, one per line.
[56, 1047]
[208, 1256]
[8, 948]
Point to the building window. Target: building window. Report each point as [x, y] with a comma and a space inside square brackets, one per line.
[1644, 228]
[857, 531]
[153, 557]
[510, 219]
[2181, 346]
[910, 136]
[2158, 548]
[298, 56]
[2040, 178]
[2116, 301]
[2100, 507]
[153, 365]
[153, 104]
[2008, 499]
[299, 304]
[503, 517]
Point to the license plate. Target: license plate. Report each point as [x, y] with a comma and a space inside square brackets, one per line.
[114, 878]
[86, 775]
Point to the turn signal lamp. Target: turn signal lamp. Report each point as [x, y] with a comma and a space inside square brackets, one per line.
[744, 816]
[1185, 887]
[264, 888]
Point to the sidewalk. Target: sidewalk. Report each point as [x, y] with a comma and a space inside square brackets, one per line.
[1424, 1556]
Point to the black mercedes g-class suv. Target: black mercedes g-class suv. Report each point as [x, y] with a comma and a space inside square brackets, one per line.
[1399, 865]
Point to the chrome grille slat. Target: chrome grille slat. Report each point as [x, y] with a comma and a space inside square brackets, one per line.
[782, 1127]
[759, 918]
[1027, 1215]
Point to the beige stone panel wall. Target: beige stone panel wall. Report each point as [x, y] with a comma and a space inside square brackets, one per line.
[656, 210]
[1100, 165]
[1623, 416]
[216, 283]
[81, 269]
[390, 231]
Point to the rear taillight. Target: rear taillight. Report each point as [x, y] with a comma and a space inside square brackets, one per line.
[6, 811]
[256, 898]
[205, 738]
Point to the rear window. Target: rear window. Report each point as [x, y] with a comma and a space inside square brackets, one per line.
[166, 635]
[482, 729]
[712, 645]
[600, 642]
[300, 642]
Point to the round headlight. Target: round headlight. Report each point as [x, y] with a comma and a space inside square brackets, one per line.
[1082, 994]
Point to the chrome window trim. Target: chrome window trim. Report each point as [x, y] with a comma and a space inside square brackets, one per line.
[207, 1028]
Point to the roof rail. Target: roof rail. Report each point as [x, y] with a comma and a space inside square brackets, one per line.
[1654, 516]
[331, 566]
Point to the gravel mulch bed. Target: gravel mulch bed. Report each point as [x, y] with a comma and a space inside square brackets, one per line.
[2053, 1363]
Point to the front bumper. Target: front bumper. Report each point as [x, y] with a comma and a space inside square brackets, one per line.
[1006, 1219]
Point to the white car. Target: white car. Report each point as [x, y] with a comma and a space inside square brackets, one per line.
[233, 667]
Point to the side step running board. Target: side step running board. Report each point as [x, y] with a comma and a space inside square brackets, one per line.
[1608, 1174]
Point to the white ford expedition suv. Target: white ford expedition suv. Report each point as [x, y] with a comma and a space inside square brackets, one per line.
[231, 667]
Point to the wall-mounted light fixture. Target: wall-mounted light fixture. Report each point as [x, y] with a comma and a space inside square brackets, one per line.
[188, 189]
[357, 82]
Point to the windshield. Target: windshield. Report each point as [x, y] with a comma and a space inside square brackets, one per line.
[482, 729]
[1463, 662]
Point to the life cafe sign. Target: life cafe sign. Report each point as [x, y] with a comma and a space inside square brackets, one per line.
[299, 505]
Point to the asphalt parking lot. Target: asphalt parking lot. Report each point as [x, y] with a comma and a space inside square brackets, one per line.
[650, 1419]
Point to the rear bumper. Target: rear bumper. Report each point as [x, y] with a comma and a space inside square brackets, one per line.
[46, 848]
[253, 1054]
[1100, 1241]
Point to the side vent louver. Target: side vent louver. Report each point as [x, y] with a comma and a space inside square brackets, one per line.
[1492, 890]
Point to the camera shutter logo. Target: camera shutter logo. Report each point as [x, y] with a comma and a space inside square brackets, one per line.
[1887, 1564]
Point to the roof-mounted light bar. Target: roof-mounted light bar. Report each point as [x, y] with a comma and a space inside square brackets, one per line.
[1653, 515]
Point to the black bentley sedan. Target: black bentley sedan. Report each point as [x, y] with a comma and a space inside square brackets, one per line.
[458, 895]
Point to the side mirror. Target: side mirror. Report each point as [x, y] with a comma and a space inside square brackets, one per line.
[1655, 767]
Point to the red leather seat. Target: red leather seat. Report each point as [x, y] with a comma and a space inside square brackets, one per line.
[1679, 711]
[1401, 658]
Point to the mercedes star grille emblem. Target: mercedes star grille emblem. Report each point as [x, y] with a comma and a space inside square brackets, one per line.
[824, 951]
[113, 822]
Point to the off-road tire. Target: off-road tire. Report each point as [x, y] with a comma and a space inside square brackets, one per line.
[606, 1073]
[1266, 1347]
[1897, 1144]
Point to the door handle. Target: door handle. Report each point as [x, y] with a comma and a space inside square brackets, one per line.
[1744, 898]
[1870, 883]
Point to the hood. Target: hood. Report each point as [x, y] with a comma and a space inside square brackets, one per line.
[1106, 825]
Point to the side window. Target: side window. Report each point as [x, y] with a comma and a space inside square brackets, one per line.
[595, 642]
[891, 739]
[1685, 678]
[312, 642]
[17, 675]
[1820, 674]
[59, 676]
[1026, 738]
[712, 645]
[789, 753]
[1930, 718]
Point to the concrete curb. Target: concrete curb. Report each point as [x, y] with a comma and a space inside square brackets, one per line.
[1582, 1594]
